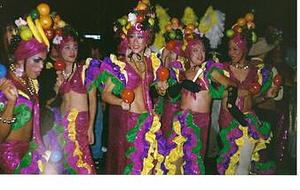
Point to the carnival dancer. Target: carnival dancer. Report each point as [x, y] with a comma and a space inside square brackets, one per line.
[21, 147]
[173, 58]
[141, 145]
[76, 85]
[242, 137]
[187, 144]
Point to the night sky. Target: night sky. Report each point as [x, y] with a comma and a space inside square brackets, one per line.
[97, 16]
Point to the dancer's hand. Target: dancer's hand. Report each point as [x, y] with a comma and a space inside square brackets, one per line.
[9, 90]
[59, 81]
[125, 106]
[162, 87]
[91, 136]
[243, 93]
[272, 92]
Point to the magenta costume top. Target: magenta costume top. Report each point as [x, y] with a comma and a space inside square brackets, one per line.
[75, 83]
[138, 153]
[18, 156]
[216, 90]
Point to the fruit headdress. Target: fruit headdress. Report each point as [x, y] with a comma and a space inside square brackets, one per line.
[142, 19]
[242, 32]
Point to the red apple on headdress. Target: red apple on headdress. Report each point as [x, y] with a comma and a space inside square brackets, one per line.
[127, 95]
[59, 65]
[58, 32]
[163, 74]
[140, 18]
[49, 33]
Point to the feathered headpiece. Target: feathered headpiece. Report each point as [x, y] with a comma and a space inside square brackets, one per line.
[212, 26]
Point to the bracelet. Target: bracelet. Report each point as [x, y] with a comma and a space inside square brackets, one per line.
[7, 121]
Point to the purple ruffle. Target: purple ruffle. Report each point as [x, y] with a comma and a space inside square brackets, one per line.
[108, 65]
[92, 72]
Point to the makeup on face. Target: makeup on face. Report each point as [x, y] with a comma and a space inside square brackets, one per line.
[234, 51]
[197, 55]
[137, 42]
[69, 51]
[35, 64]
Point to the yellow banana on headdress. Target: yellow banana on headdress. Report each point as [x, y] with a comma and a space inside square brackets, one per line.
[33, 29]
[42, 33]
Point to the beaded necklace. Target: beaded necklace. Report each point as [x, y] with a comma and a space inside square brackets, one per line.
[29, 86]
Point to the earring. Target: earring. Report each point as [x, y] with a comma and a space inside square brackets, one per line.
[19, 71]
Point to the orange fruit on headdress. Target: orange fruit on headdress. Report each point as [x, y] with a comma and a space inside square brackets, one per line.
[141, 6]
[43, 9]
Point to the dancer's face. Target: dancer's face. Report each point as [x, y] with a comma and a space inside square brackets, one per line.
[197, 55]
[69, 51]
[34, 65]
[137, 42]
[235, 52]
[10, 31]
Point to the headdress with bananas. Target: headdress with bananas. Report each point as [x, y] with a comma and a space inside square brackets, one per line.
[35, 31]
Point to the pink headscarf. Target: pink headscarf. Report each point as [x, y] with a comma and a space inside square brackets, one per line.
[28, 48]
[147, 34]
[240, 41]
[190, 45]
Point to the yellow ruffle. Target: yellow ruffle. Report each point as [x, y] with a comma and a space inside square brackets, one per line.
[153, 150]
[121, 64]
[177, 152]
[260, 77]
[84, 68]
[155, 63]
[259, 145]
[72, 136]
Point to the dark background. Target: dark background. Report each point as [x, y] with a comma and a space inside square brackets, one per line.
[97, 16]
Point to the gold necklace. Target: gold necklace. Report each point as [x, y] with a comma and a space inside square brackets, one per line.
[30, 86]
[245, 67]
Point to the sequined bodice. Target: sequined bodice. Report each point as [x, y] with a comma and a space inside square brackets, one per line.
[75, 83]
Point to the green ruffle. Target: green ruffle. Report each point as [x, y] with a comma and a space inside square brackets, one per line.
[159, 107]
[268, 83]
[101, 79]
[130, 137]
[213, 92]
[264, 130]
[172, 82]
[224, 140]
[22, 113]
[265, 166]
[265, 127]
[26, 160]
[197, 148]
